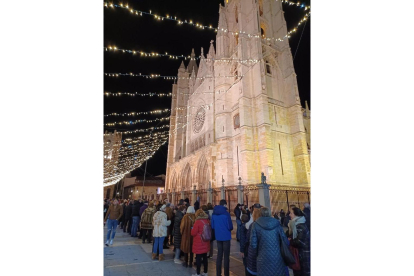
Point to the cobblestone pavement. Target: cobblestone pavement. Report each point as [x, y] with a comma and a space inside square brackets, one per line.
[129, 257]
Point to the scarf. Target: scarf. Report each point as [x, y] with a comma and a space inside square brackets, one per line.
[292, 225]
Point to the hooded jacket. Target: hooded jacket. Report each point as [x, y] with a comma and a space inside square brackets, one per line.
[200, 246]
[160, 224]
[265, 238]
[221, 223]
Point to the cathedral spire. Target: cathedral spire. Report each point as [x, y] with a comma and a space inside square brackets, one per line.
[182, 67]
[211, 51]
[193, 63]
[222, 19]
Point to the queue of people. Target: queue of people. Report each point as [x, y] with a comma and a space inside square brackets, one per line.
[192, 232]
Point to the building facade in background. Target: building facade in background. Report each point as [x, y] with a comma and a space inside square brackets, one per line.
[238, 113]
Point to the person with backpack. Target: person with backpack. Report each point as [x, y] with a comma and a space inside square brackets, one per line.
[222, 225]
[160, 223]
[201, 233]
[186, 239]
[146, 222]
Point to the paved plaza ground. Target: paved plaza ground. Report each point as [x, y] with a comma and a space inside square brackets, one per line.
[129, 257]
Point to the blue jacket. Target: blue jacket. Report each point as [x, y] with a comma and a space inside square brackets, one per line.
[265, 240]
[221, 223]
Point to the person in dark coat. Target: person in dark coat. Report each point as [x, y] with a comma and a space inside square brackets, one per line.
[265, 238]
[237, 213]
[287, 219]
[306, 212]
[244, 242]
[300, 239]
[135, 218]
[282, 216]
[179, 214]
[128, 218]
[251, 261]
[196, 205]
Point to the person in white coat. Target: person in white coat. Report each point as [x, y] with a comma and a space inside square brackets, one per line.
[160, 224]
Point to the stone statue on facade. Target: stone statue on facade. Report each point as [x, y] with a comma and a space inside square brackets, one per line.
[263, 179]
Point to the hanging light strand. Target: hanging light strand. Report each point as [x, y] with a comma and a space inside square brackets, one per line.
[133, 94]
[210, 27]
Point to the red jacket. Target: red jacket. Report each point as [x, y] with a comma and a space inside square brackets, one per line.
[199, 246]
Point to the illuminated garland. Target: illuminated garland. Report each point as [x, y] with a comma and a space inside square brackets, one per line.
[147, 54]
[142, 130]
[138, 113]
[150, 94]
[210, 27]
[137, 121]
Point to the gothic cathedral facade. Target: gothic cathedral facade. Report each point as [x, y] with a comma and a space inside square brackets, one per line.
[238, 113]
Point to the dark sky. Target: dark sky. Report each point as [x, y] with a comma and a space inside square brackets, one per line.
[144, 33]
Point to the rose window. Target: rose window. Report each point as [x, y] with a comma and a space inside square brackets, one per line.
[199, 120]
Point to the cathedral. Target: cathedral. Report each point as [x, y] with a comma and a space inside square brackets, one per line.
[237, 113]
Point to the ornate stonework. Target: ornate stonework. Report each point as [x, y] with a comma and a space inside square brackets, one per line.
[240, 118]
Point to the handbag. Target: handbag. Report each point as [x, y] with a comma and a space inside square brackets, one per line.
[285, 252]
[295, 253]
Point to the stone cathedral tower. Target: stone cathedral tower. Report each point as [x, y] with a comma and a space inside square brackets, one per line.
[238, 112]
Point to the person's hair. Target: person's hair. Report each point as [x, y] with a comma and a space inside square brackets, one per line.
[244, 218]
[181, 208]
[265, 212]
[210, 206]
[199, 212]
[256, 214]
[151, 204]
[204, 207]
[297, 212]
[223, 202]
[292, 206]
[306, 205]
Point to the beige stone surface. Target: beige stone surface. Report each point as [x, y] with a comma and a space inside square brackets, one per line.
[274, 132]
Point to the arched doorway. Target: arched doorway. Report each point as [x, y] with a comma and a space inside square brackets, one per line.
[186, 178]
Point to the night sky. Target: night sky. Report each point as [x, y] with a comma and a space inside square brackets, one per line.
[144, 33]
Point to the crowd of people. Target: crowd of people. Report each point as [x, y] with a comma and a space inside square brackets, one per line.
[265, 247]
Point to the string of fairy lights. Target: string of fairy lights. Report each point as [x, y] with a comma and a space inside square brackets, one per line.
[134, 94]
[210, 27]
[134, 151]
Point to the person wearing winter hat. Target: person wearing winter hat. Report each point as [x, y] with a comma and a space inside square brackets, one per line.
[146, 222]
[200, 247]
[186, 239]
[160, 223]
